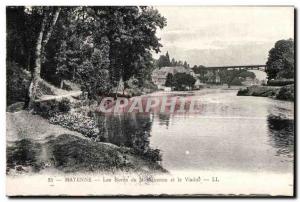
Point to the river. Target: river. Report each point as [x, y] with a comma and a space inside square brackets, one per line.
[230, 133]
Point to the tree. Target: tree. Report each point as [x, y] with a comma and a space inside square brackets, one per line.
[117, 41]
[91, 78]
[169, 80]
[164, 60]
[168, 59]
[231, 77]
[173, 62]
[42, 40]
[245, 74]
[131, 33]
[183, 80]
[281, 62]
[185, 64]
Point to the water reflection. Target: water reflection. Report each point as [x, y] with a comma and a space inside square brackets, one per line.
[164, 119]
[229, 133]
[281, 132]
[129, 130]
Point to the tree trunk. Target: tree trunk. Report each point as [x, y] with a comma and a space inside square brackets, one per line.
[116, 96]
[37, 65]
[39, 51]
[50, 30]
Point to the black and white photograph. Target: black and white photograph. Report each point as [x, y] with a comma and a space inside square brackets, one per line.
[150, 101]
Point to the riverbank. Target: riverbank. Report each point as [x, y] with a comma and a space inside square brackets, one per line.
[275, 92]
[34, 145]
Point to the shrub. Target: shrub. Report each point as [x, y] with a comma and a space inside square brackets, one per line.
[153, 155]
[17, 84]
[46, 109]
[44, 88]
[280, 82]
[236, 82]
[286, 93]
[24, 152]
[49, 108]
[77, 122]
[243, 92]
[64, 105]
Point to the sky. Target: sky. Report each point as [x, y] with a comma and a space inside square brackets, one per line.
[217, 36]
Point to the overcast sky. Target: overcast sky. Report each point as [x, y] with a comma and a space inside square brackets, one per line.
[224, 35]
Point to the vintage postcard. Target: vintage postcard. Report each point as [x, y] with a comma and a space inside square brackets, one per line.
[166, 101]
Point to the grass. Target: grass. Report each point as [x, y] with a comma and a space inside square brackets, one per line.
[34, 144]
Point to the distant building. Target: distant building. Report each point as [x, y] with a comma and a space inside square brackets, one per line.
[248, 81]
[159, 76]
[198, 84]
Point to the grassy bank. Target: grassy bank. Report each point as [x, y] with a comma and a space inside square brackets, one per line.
[276, 92]
[35, 145]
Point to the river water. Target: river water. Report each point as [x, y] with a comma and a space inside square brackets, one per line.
[234, 133]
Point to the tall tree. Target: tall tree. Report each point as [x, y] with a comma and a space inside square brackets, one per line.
[173, 62]
[281, 61]
[183, 80]
[48, 14]
[169, 80]
[164, 60]
[168, 59]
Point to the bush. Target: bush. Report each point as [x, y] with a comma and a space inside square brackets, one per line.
[17, 84]
[44, 88]
[153, 155]
[242, 92]
[77, 122]
[236, 82]
[280, 82]
[24, 152]
[46, 109]
[286, 93]
[49, 108]
[64, 105]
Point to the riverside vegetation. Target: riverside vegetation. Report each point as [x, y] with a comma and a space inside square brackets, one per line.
[280, 72]
[59, 61]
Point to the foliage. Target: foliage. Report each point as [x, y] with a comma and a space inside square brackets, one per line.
[22, 30]
[175, 63]
[235, 77]
[24, 153]
[286, 93]
[199, 69]
[169, 80]
[17, 84]
[183, 80]
[236, 82]
[164, 60]
[91, 78]
[114, 41]
[49, 108]
[280, 82]
[64, 105]
[245, 74]
[77, 122]
[281, 61]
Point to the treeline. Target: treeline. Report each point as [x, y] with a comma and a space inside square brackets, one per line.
[180, 81]
[93, 46]
[281, 60]
[164, 61]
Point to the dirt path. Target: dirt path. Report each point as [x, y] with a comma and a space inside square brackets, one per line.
[22, 124]
[58, 97]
